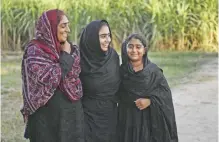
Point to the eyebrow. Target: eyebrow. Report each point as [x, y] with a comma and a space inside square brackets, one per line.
[64, 23]
[104, 34]
[135, 44]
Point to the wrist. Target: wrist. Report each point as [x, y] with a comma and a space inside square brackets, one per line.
[149, 102]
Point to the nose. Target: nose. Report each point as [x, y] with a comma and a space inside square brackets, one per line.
[134, 49]
[67, 29]
[108, 38]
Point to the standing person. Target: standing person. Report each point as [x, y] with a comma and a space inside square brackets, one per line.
[100, 80]
[50, 82]
[146, 112]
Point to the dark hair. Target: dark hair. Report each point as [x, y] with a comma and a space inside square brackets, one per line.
[139, 37]
[103, 23]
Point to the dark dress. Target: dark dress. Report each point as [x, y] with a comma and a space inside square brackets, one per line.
[60, 120]
[99, 102]
[153, 124]
[134, 124]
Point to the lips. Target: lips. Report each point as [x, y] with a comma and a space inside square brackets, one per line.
[106, 45]
[65, 35]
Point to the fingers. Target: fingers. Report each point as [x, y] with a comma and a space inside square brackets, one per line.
[141, 108]
[142, 103]
[138, 104]
[66, 47]
[138, 101]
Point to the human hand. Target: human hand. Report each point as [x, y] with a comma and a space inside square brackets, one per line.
[142, 103]
[66, 47]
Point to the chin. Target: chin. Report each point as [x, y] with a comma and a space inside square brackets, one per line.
[104, 49]
[63, 39]
[134, 59]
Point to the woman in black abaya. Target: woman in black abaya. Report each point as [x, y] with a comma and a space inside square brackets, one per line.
[146, 112]
[100, 81]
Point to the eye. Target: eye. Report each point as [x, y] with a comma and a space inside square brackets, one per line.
[138, 47]
[130, 46]
[102, 36]
[63, 26]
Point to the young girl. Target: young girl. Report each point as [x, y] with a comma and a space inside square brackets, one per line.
[146, 112]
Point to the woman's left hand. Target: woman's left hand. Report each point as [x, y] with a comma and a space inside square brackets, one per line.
[142, 103]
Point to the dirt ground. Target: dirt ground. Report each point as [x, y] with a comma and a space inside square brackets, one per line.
[196, 105]
[195, 100]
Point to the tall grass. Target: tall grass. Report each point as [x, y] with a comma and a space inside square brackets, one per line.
[166, 24]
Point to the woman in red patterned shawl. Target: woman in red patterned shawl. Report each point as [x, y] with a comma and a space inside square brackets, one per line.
[51, 86]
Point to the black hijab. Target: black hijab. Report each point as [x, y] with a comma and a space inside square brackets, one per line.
[93, 58]
[99, 70]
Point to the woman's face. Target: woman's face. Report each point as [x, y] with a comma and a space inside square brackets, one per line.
[63, 29]
[104, 37]
[135, 50]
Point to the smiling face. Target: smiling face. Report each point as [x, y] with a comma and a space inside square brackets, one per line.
[63, 29]
[104, 38]
[135, 50]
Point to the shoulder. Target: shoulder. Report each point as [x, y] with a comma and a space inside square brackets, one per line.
[32, 49]
[115, 54]
[124, 68]
[153, 68]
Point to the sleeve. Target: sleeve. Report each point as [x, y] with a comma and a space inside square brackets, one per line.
[163, 121]
[66, 62]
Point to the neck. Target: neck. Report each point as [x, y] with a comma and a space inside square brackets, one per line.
[137, 65]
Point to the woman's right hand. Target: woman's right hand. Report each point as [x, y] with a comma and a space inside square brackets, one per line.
[142, 103]
[66, 47]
